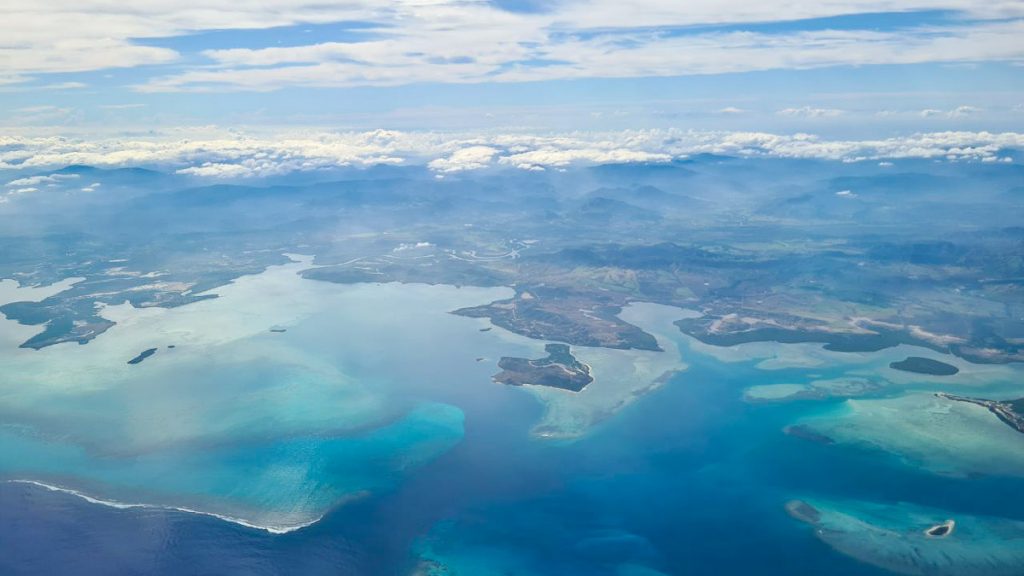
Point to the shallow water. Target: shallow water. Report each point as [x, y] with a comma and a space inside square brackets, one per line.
[372, 408]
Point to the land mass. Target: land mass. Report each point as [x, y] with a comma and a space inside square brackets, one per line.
[559, 369]
[1011, 412]
[578, 319]
[919, 365]
[764, 261]
[142, 356]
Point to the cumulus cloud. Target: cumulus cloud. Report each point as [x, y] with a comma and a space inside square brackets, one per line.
[232, 155]
[559, 157]
[219, 170]
[470, 158]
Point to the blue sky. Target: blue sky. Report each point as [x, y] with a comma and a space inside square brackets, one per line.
[852, 71]
[842, 67]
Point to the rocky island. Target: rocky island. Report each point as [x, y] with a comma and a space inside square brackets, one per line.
[559, 369]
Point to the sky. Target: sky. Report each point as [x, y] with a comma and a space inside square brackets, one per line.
[850, 73]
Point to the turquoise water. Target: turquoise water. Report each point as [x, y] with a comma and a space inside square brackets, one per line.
[373, 417]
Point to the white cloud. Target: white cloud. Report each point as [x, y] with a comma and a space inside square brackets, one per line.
[809, 112]
[211, 153]
[846, 194]
[65, 86]
[36, 180]
[958, 112]
[471, 158]
[961, 111]
[555, 157]
[476, 41]
[6, 197]
[481, 46]
[731, 110]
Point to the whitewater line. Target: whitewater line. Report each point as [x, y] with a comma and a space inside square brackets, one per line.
[126, 505]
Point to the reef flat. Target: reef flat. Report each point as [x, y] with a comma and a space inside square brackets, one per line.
[914, 540]
[846, 387]
[933, 431]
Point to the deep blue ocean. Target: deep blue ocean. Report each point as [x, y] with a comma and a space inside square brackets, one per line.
[688, 480]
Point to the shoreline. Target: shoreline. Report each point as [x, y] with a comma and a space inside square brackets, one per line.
[277, 530]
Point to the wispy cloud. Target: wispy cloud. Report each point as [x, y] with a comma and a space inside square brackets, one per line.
[459, 41]
[810, 112]
[37, 180]
[120, 106]
[962, 111]
[470, 51]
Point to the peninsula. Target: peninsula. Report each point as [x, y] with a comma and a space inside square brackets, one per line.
[1011, 412]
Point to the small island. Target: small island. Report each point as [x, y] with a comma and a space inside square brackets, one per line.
[143, 355]
[941, 530]
[919, 365]
[559, 369]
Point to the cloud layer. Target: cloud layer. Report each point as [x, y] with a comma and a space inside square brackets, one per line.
[233, 155]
